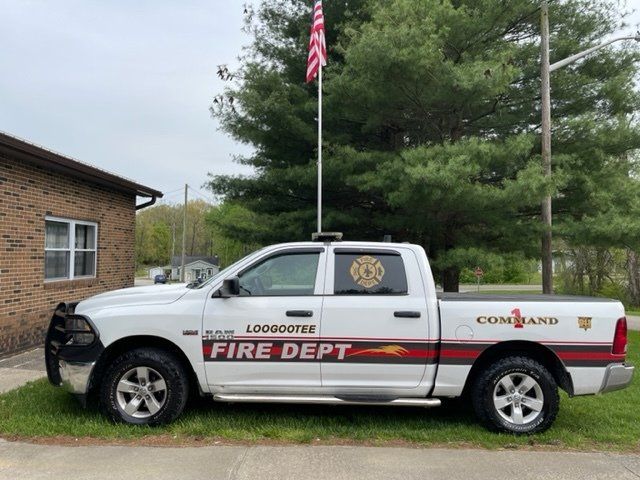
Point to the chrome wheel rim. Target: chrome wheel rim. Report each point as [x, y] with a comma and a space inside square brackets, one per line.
[518, 398]
[141, 392]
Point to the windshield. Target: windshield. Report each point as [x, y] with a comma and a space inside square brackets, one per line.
[224, 272]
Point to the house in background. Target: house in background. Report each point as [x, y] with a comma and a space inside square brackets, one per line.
[67, 231]
[195, 266]
[153, 271]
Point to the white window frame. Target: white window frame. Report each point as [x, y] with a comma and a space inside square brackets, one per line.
[72, 248]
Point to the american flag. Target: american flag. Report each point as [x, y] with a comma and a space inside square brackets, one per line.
[317, 45]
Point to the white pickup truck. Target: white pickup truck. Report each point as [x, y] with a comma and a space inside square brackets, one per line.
[338, 323]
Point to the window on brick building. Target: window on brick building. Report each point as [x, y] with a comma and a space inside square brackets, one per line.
[70, 249]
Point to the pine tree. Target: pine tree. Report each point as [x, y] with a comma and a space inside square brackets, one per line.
[432, 124]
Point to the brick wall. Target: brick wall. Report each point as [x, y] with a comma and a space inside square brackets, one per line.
[27, 194]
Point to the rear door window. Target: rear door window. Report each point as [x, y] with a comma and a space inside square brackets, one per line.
[369, 273]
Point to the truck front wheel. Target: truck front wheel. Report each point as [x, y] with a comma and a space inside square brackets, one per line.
[145, 386]
[516, 395]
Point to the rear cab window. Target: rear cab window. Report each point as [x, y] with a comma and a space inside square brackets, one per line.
[368, 272]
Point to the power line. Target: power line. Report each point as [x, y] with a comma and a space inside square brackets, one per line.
[198, 192]
[174, 198]
[172, 191]
[172, 194]
[205, 197]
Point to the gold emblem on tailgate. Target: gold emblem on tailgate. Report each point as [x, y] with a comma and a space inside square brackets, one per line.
[367, 271]
[584, 323]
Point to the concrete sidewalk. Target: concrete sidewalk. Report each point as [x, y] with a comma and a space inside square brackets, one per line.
[22, 368]
[33, 462]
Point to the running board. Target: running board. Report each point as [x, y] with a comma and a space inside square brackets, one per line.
[324, 399]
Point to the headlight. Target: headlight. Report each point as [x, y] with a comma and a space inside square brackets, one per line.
[78, 331]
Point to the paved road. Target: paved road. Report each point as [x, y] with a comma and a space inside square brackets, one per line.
[633, 322]
[34, 462]
[472, 287]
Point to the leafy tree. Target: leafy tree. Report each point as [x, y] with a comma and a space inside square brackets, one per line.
[159, 232]
[143, 231]
[198, 239]
[235, 231]
[153, 243]
[160, 243]
[431, 131]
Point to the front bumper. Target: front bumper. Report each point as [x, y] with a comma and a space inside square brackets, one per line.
[616, 377]
[76, 376]
[70, 365]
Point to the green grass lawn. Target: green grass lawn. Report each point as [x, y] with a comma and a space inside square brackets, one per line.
[606, 422]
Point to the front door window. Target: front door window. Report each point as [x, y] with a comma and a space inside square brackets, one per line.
[288, 274]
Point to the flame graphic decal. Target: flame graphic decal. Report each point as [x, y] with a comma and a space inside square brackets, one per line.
[396, 350]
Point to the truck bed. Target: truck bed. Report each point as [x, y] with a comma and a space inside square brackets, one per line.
[518, 297]
[578, 330]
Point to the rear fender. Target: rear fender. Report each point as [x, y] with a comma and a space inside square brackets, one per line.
[536, 351]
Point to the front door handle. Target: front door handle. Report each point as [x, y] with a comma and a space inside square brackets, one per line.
[299, 313]
[406, 314]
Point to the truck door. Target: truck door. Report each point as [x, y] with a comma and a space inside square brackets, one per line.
[375, 303]
[268, 335]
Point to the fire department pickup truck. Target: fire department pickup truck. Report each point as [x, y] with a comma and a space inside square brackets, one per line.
[331, 322]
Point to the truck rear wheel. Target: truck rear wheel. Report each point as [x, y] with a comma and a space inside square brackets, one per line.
[146, 386]
[516, 395]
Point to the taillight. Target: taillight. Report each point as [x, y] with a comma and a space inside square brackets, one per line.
[620, 338]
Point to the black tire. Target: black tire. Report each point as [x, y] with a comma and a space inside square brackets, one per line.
[490, 381]
[160, 365]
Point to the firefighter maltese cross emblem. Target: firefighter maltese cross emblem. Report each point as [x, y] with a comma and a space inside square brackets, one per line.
[584, 323]
[367, 271]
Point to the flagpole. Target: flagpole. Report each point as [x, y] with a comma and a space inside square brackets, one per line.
[320, 147]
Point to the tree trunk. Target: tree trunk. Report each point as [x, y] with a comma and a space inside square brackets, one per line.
[451, 279]
[633, 269]
[450, 275]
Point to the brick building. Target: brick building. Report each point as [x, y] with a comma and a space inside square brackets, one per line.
[67, 231]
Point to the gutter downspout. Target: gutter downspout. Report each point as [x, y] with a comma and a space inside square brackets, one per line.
[147, 204]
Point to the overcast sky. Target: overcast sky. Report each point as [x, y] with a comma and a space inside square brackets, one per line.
[124, 85]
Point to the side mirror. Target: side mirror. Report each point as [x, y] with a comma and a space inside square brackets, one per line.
[230, 287]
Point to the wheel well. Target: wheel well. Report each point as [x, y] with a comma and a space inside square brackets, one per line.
[130, 343]
[533, 350]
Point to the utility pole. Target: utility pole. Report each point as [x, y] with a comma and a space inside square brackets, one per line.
[547, 249]
[184, 234]
[173, 239]
[545, 70]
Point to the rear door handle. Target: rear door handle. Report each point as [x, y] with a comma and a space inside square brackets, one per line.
[299, 313]
[406, 314]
